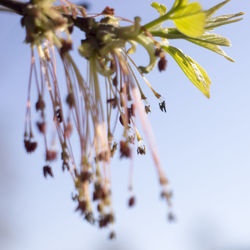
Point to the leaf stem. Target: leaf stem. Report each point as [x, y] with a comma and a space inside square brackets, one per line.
[167, 34]
[157, 21]
[160, 19]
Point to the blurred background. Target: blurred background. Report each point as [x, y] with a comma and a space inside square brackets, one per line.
[204, 146]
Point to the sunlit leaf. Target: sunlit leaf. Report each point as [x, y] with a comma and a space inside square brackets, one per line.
[214, 22]
[173, 33]
[212, 10]
[213, 47]
[192, 69]
[190, 20]
[214, 39]
[207, 40]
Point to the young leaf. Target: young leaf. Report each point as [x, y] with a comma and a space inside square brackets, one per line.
[207, 40]
[212, 10]
[213, 39]
[192, 69]
[214, 22]
[213, 47]
[159, 7]
[173, 33]
[180, 3]
[213, 43]
[190, 19]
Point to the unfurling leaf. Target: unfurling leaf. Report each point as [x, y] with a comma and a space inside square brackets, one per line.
[159, 7]
[192, 69]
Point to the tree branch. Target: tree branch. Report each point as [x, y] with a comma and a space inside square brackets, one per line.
[18, 7]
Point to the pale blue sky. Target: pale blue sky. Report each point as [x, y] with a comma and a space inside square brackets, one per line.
[204, 146]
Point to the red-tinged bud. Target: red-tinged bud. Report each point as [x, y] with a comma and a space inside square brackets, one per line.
[41, 127]
[124, 149]
[47, 171]
[112, 235]
[162, 64]
[40, 104]
[30, 146]
[82, 207]
[108, 11]
[131, 201]
[51, 155]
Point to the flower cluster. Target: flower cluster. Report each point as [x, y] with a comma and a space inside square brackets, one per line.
[87, 111]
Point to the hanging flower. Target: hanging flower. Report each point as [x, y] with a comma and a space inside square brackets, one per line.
[89, 109]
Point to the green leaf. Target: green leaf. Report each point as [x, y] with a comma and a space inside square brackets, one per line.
[212, 42]
[207, 40]
[213, 39]
[173, 33]
[190, 19]
[222, 20]
[212, 10]
[159, 7]
[213, 47]
[192, 69]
